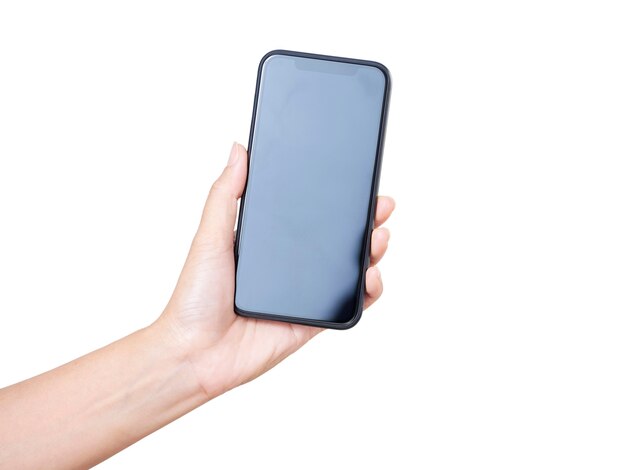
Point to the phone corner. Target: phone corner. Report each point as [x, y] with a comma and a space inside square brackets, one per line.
[384, 70]
[240, 311]
[270, 54]
[350, 323]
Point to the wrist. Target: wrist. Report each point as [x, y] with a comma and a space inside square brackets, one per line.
[178, 353]
[207, 355]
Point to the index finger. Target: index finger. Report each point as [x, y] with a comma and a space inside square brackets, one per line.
[384, 207]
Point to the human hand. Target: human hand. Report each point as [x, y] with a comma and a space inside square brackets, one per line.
[225, 349]
[196, 350]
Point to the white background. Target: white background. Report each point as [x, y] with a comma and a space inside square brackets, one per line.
[500, 341]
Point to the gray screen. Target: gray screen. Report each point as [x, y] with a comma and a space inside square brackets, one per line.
[312, 162]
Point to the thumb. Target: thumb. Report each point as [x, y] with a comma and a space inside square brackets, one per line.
[218, 219]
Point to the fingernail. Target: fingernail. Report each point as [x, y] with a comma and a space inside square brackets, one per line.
[234, 154]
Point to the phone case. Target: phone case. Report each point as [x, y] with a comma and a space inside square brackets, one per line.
[372, 203]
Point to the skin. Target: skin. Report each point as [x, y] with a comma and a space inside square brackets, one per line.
[83, 412]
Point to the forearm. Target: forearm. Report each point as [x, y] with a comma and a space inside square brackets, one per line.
[89, 409]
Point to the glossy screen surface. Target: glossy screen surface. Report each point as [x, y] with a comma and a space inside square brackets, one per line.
[312, 163]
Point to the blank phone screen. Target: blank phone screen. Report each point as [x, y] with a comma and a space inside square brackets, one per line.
[313, 156]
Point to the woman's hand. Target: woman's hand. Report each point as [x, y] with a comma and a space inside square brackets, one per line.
[108, 399]
[224, 349]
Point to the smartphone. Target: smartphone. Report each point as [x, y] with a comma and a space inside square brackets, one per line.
[306, 216]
